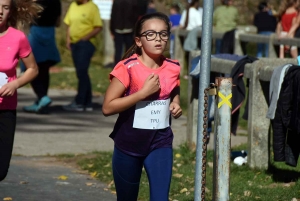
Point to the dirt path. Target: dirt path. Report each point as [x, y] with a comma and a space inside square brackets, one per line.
[48, 179]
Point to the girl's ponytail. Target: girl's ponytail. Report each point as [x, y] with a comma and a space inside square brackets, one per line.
[23, 13]
[134, 49]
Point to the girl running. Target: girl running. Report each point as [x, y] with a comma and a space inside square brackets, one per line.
[15, 15]
[144, 90]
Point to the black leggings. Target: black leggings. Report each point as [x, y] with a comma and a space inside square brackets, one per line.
[40, 84]
[7, 133]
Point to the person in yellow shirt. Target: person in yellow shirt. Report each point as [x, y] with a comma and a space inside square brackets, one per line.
[83, 22]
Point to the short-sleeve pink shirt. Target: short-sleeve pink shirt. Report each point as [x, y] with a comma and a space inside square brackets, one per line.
[132, 73]
[13, 46]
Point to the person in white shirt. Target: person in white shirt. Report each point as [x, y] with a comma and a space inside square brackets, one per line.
[191, 17]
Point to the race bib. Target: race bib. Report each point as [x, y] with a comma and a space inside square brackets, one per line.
[152, 114]
[3, 79]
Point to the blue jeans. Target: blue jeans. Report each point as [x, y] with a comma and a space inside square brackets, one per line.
[127, 171]
[263, 48]
[82, 53]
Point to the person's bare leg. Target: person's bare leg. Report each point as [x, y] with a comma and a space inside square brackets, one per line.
[294, 52]
[281, 52]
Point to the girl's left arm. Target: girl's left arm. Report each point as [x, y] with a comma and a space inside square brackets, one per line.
[295, 25]
[31, 70]
[175, 108]
[30, 73]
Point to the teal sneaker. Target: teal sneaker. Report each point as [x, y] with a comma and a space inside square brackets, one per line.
[31, 108]
[43, 105]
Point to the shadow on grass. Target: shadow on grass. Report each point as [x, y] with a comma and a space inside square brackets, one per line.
[283, 175]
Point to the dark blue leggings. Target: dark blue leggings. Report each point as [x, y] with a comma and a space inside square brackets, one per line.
[127, 173]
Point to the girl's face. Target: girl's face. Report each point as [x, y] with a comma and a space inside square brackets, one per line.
[154, 37]
[4, 11]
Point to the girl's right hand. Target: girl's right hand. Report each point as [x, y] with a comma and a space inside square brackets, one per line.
[151, 85]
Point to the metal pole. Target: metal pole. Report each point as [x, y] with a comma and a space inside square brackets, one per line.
[222, 139]
[203, 83]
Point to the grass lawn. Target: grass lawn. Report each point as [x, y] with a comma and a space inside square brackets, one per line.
[280, 183]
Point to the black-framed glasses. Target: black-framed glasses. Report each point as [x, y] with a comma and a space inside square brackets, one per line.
[151, 35]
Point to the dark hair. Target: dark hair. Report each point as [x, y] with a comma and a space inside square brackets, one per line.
[23, 13]
[225, 2]
[176, 7]
[262, 6]
[193, 2]
[138, 28]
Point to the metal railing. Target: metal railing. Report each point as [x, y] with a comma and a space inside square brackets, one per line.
[259, 74]
[245, 33]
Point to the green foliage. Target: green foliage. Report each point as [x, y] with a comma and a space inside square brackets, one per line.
[184, 95]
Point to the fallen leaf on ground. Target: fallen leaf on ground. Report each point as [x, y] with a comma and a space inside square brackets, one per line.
[7, 198]
[177, 155]
[110, 183]
[89, 184]
[177, 175]
[62, 177]
[247, 193]
[183, 190]
[94, 174]
[24, 182]
[90, 165]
